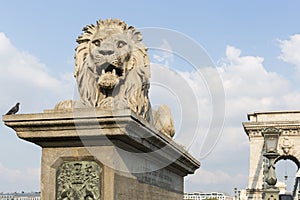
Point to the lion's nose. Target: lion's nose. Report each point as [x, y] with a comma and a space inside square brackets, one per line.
[106, 52]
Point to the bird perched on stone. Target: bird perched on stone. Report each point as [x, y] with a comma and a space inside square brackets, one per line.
[13, 110]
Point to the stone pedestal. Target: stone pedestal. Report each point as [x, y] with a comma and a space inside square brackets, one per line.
[107, 155]
[271, 194]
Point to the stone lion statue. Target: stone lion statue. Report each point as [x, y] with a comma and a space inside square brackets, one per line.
[112, 70]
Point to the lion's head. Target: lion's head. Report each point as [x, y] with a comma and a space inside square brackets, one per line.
[112, 67]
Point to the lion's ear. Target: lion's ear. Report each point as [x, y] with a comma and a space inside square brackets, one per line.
[136, 35]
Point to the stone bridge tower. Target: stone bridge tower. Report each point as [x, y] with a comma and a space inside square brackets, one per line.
[288, 146]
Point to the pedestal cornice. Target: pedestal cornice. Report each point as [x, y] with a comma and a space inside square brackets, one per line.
[92, 127]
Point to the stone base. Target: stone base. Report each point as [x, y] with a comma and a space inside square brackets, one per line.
[254, 194]
[158, 184]
[271, 194]
[93, 154]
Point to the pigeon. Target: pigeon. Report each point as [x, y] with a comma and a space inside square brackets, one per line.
[13, 110]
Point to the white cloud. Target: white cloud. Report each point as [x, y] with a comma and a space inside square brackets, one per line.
[24, 78]
[290, 50]
[203, 180]
[188, 97]
[246, 76]
[18, 66]
[163, 54]
[250, 87]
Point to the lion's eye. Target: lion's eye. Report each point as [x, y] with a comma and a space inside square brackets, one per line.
[121, 44]
[97, 43]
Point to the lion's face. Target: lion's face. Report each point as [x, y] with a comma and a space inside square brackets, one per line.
[110, 54]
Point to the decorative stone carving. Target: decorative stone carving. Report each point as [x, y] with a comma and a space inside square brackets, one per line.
[286, 145]
[112, 70]
[79, 180]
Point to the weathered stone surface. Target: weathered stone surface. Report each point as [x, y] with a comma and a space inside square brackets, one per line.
[113, 72]
[289, 123]
[135, 160]
[134, 188]
[78, 180]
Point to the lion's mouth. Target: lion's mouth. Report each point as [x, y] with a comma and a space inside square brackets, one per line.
[109, 75]
[108, 68]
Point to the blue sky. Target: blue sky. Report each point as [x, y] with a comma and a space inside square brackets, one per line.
[252, 43]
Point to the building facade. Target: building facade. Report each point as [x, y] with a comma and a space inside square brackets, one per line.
[205, 195]
[6, 196]
[20, 196]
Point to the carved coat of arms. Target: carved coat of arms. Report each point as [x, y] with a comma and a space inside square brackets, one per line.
[79, 181]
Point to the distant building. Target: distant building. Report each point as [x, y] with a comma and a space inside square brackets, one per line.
[205, 195]
[6, 197]
[20, 196]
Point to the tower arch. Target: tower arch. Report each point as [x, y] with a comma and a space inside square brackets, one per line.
[289, 124]
[288, 157]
